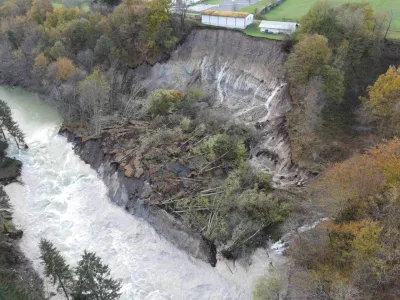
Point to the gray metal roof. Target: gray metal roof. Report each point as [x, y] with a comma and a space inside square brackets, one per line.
[278, 25]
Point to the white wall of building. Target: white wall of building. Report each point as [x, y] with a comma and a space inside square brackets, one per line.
[205, 19]
[229, 22]
[186, 2]
[249, 20]
[221, 21]
[276, 31]
[278, 27]
[214, 20]
[241, 23]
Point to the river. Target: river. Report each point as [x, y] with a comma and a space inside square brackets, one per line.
[65, 201]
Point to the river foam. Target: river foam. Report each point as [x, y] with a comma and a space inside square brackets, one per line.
[64, 200]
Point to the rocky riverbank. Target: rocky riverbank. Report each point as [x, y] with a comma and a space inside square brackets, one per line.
[131, 189]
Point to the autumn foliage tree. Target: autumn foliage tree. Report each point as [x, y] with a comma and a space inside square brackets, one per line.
[38, 11]
[352, 183]
[355, 258]
[383, 101]
[65, 67]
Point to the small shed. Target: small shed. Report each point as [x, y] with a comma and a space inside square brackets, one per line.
[228, 19]
[278, 27]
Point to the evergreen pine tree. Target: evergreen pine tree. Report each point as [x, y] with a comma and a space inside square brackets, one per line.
[10, 290]
[8, 122]
[55, 266]
[93, 280]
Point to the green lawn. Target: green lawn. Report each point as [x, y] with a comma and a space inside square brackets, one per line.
[260, 5]
[212, 1]
[293, 10]
[58, 3]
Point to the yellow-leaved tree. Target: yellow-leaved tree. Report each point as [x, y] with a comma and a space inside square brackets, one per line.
[65, 67]
[383, 101]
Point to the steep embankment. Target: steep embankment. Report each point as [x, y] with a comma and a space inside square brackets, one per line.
[242, 74]
[243, 77]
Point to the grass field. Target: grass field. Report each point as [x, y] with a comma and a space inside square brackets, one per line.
[58, 3]
[212, 1]
[260, 5]
[293, 10]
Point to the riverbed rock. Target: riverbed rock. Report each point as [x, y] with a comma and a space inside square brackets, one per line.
[10, 169]
[15, 235]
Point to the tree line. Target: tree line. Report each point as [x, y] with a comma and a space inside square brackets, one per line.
[338, 51]
[354, 254]
[72, 56]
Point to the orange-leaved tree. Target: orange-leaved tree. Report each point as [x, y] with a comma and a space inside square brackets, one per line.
[65, 67]
[354, 181]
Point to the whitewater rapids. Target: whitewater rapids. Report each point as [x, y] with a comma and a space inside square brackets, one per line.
[65, 201]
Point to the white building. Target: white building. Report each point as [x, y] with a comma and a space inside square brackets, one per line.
[184, 3]
[229, 19]
[278, 27]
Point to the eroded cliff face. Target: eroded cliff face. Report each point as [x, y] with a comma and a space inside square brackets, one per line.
[244, 75]
[244, 78]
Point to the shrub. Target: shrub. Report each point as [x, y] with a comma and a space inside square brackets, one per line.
[186, 105]
[223, 148]
[262, 207]
[186, 124]
[268, 287]
[161, 101]
[159, 137]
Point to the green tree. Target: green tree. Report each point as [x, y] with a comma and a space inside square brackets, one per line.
[312, 57]
[8, 122]
[10, 290]
[77, 34]
[161, 101]
[93, 280]
[111, 2]
[102, 49]
[321, 19]
[308, 59]
[56, 267]
[158, 25]
[58, 50]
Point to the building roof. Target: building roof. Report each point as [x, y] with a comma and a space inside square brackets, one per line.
[278, 25]
[223, 13]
